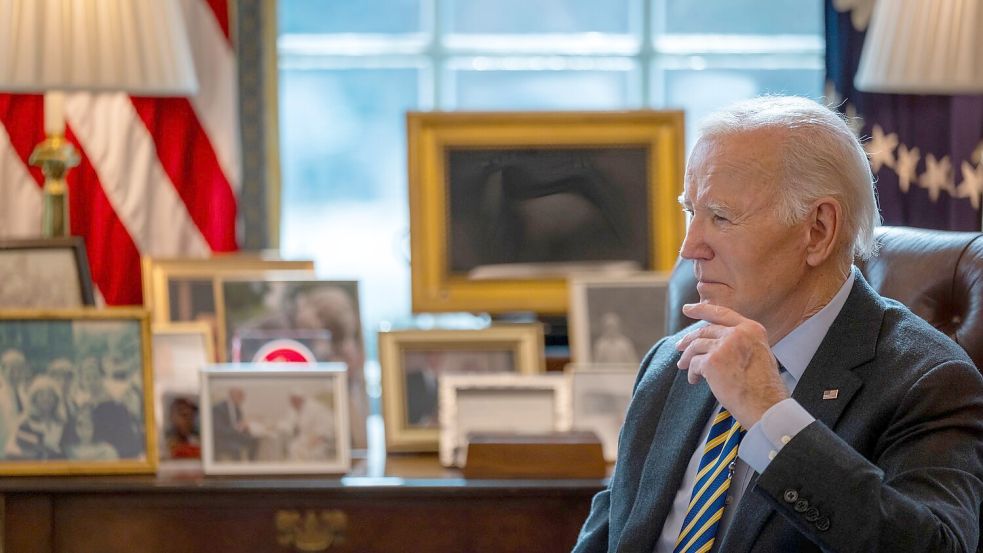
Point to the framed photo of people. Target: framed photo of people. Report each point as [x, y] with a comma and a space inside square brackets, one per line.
[76, 395]
[413, 361]
[186, 289]
[275, 418]
[501, 403]
[504, 207]
[48, 273]
[300, 320]
[180, 351]
[615, 320]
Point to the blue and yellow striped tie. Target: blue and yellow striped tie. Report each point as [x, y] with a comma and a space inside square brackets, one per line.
[706, 505]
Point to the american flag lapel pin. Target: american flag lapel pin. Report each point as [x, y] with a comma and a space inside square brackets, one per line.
[831, 394]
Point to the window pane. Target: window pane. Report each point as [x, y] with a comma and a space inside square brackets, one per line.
[363, 16]
[739, 16]
[543, 16]
[701, 92]
[529, 89]
[344, 181]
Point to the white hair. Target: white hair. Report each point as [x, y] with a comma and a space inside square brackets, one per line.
[820, 156]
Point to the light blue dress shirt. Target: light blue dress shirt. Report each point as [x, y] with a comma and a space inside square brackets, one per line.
[777, 426]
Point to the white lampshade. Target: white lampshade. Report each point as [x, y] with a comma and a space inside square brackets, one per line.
[135, 46]
[923, 47]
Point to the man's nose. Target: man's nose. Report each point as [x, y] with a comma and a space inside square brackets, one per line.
[694, 246]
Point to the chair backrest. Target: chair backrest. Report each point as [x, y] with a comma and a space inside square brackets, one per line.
[937, 274]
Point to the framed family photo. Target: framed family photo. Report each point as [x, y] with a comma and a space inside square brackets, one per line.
[49, 273]
[275, 418]
[300, 320]
[180, 351]
[413, 361]
[615, 320]
[76, 395]
[600, 397]
[505, 206]
[502, 403]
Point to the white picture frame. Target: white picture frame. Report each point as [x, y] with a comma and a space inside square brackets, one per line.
[599, 401]
[614, 320]
[289, 418]
[503, 402]
[180, 350]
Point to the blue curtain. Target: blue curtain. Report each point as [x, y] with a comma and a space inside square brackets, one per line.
[925, 150]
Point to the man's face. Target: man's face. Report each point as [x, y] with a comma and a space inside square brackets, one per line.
[745, 257]
[237, 395]
[14, 365]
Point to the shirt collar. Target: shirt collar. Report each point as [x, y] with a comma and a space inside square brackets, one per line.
[796, 349]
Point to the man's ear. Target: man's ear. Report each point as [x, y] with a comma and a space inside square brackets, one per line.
[825, 222]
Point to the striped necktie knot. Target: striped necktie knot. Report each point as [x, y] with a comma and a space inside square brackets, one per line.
[709, 495]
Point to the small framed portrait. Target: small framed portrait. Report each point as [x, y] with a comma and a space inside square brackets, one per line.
[275, 418]
[615, 320]
[504, 207]
[601, 395]
[413, 361]
[50, 273]
[185, 289]
[283, 320]
[504, 402]
[76, 392]
[180, 351]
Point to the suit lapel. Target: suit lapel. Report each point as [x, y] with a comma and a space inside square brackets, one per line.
[850, 343]
[681, 423]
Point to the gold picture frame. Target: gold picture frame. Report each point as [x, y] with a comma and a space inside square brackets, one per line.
[473, 178]
[518, 347]
[158, 274]
[96, 442]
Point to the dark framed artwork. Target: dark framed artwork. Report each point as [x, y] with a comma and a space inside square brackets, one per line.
[504, 207]
[49, 273]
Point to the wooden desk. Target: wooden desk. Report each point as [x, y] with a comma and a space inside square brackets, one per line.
[393, 504]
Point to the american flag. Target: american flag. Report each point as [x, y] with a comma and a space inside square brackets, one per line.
[159, 176]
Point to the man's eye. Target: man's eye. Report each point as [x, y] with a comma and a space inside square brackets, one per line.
[720, 219]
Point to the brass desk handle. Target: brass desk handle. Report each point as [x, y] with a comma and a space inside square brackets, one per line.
[311, 531]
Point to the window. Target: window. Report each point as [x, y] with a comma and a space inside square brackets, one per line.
[349, 70]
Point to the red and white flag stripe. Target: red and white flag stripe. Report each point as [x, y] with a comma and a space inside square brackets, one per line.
[159, 176]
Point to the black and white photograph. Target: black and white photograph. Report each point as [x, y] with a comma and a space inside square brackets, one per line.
[51, 273]
[275, 418]
[615, 320]
[414, 361]
[74, 392]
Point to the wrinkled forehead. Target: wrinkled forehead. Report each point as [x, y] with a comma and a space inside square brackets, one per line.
[748, 162]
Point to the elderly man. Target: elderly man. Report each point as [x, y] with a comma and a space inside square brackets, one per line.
[804, 412]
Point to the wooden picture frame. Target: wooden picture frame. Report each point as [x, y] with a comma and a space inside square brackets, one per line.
[37, 261]
[293, 419]
[616, 319]
[599, 397]
[199, 282]
[505, 206]
[98, 369]
[409, 397]
[180, 351]
[512, 403]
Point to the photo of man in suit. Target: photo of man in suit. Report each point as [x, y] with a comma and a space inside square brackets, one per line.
[233, 439]
[803, 412]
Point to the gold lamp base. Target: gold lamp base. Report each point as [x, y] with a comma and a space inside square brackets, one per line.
[55, 156]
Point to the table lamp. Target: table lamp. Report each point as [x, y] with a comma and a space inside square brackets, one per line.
[923, 47]
[56, 46]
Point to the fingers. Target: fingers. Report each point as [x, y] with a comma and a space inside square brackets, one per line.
[706, 331]
[698, 346]
[716, 314]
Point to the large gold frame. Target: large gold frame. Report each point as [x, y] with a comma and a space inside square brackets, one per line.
[130, 466]
[431, 134]
[524, 340]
